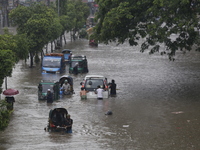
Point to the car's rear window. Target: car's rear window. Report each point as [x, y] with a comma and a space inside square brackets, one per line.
[92, 84]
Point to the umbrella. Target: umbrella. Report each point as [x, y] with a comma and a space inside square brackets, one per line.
[90, 30]
[10, 92]
[66, 50]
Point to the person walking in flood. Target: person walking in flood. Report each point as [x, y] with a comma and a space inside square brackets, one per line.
[99, 92]
[83, 93]
[68, 124]
[112, 87]
[49, 96]
[10, 100]
[75, 69]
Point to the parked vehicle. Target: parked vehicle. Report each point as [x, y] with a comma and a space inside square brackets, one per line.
[70, 81]
[56, 120]
[43, 86]
[91, 82]
[93, 43]
[53, 63]
[66, 53]
[82, 64]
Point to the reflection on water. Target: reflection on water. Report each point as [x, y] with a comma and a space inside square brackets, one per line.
[149, 89]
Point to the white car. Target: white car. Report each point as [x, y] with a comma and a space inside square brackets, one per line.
[91, 82]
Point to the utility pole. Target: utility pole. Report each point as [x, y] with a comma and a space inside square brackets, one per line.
[4, 13]
[60, 40]
[58, 8]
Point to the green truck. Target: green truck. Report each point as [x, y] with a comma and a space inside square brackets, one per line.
[82, 64]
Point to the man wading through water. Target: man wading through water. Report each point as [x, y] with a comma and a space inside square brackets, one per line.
[99, 92]
[68, 124]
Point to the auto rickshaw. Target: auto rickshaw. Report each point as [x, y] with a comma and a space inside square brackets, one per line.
[70, 81]
[93, 43]
[56, 120]
[82, 64]
[66, 53]
[43, 86]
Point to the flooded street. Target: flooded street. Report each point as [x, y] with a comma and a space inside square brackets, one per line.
[156, 108]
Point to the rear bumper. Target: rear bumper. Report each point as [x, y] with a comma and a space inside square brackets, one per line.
[91, 94]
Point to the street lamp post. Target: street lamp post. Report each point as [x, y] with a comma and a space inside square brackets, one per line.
[58, 7]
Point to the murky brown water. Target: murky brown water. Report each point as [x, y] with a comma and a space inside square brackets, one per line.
[156, 108]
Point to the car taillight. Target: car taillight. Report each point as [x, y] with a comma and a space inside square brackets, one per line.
[52, 125]
[83, 84]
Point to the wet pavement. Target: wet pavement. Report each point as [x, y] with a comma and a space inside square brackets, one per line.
[156, 107]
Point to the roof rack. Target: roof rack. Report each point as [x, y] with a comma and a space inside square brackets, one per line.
[80, 57]
[54, 54]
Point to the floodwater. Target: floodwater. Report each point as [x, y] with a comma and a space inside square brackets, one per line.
[156, 107]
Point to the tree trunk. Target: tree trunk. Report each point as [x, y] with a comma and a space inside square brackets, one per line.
[74, 34]
[54, 44]
[41, 54]
[31, 59]
[65, 39]
[61, 41]
[51, 46]
[71, 35]
[46, 48]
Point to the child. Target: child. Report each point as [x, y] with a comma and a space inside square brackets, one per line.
[83, 93]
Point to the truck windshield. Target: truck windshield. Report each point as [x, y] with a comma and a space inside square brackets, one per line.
[73, 63]
[52, 63]
[45, 87]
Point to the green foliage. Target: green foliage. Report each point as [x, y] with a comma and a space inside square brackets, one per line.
[21, 51]
[4, 115]
[7, 61]
[12, 48]
[55, 29]
[83, 33]
[77, 13]
[66, 23]
[8, 42]
[155, 20]
[19, 17]
[39, 23]
[37, 59]
[62, 7]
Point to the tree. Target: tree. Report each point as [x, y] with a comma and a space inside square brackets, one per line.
[156, 21]
[12, 48]
[36, 22]
[77, 13]
[4, 115]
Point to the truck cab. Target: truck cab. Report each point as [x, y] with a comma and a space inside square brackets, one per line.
[53, 63]
[81, 60]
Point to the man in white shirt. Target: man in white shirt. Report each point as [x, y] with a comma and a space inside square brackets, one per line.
[99, 92]
[66, 88]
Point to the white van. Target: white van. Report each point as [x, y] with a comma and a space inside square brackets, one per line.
[91, 82]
